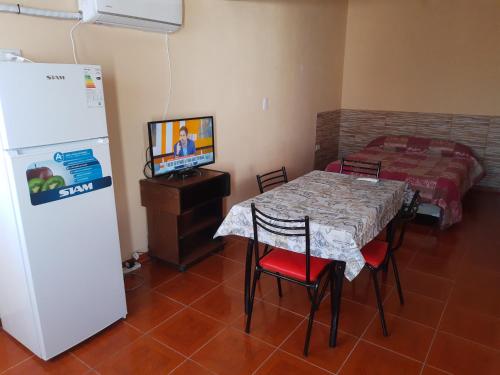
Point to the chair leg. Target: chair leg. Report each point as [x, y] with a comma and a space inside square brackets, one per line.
[333, 331]
[323, 290]
[398, 282]
[256, 277]
[280, 291]
[379, 303]
[314, 307]
[337, 274]
[310, 295]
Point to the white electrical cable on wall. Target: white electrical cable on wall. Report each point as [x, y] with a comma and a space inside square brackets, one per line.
[19, 9]
[73, 40]
[169, 79]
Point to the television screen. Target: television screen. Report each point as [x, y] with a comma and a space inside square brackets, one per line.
[181, 144]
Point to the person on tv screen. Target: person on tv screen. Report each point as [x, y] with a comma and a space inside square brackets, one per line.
[185, 146]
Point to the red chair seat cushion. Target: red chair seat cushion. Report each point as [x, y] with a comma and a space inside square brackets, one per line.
[374, 252]
[291, 264]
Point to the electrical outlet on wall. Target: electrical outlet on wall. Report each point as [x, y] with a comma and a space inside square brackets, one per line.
[5, 52]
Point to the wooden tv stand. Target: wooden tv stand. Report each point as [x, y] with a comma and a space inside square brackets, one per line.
[183, 215]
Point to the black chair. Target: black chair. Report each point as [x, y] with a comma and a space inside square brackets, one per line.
[360, 167]
[265, 181]
[271, 178]
[378, 253]
[299, 268]
[407, 214]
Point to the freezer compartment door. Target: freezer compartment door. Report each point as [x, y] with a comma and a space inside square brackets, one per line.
[44, 104]
[68, 217]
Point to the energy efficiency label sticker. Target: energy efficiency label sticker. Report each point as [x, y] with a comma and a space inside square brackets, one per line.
[93, 87]
[68, 174]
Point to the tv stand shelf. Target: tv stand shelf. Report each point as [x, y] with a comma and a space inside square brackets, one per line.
[183, 215]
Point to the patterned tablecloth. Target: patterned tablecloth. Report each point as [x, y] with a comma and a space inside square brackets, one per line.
[345, 214]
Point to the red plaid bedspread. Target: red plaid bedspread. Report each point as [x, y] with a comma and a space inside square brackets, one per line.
[443, 171]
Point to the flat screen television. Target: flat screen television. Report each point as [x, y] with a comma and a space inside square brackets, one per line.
[180, 145]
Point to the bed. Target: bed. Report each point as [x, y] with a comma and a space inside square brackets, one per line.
[442, 170]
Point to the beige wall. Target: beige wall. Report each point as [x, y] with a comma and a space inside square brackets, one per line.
[229, 55]
[423, 56]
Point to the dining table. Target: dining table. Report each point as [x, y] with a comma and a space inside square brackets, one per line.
[345, 213]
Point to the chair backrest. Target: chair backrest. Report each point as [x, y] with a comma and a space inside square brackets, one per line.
[406, 214]
[360, 167]
[271, 178]
[281, 227]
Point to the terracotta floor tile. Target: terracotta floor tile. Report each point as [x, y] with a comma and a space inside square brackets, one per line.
[144, 356]
[269, 323]
[156, 272]
[354, 317]
[186, 287]
[265, 285]
[233, 353]
[403, 258]
[187, 331]
[470, 276]
[460, 232]
[237, 251]
[149, 308]
[65, 364]
[320, 353]
[443, 267]
[433, 371]
[134, 283]
[361, 289]
[230, 239]
[477, 299]
[481, 328]
[418, 308]
[488, 260]
[217, 268]
[190, 368]
[222, 303]
[460, 356]
[447, 253]
[11, 352]
[370, 359]
[294, 298]
[414, 241]
[103, 345]
[283, 363]
[426, 284]
[405, 337]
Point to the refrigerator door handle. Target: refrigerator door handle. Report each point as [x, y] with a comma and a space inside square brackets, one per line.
[40, 150]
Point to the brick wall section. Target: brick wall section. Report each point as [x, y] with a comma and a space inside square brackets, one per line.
[327, 137]
[481, 133]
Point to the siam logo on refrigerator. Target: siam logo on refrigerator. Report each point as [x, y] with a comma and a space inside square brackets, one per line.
[54, 77]
[67, 175]
[76, 190]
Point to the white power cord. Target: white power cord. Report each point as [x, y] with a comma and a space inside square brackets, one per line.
[169, 78]
[73, 40]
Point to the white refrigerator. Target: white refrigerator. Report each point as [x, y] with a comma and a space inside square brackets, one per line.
[60, 266]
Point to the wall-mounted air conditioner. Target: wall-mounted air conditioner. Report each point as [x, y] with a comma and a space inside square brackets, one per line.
[148, 15]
